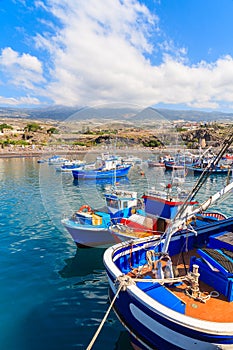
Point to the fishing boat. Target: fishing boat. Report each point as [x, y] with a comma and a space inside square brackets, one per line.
[54, 160]
[132, 160]
[154, 163]
[176, 291]
[41, 161]
[159, 208]
[89, 227]
[229, 156]
[180, 160]
[163, 309]
[187, 159]
[71, 165]
[102, 172]
[222, 169]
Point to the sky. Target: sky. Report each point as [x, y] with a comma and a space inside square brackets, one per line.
[174, 54]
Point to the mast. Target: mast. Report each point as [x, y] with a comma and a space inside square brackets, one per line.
[205, 174]
[182, 215]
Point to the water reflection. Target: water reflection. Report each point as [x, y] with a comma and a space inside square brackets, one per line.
[123, 342]
[101, 182]
[85, 261]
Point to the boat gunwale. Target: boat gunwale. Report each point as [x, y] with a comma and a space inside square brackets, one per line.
[83, 227]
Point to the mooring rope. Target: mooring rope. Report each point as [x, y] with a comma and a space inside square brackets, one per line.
[123, 282]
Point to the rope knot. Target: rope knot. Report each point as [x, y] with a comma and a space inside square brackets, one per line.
[124, 281]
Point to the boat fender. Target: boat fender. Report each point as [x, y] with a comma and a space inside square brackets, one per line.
[150, 257]
[159, 270]
[74, 217]
[168, 270]
[133, 210]
[139, 204]
[85, 208]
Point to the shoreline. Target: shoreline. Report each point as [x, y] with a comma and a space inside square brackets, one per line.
[61, 151]
[43, 153]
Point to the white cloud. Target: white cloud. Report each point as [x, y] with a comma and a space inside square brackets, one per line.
[103, 53]
[100, 55]
[21, 70]
[10, 57]
[19, 101]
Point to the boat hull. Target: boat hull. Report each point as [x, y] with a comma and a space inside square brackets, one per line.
[171, 167]
[150, 329]
[95, 236]
[152, 164]
[217, 171]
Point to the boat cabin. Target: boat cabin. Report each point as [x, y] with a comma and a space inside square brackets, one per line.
[164, 204]
[120, 200]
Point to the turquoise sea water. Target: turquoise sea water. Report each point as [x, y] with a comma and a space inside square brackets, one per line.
[53, 295]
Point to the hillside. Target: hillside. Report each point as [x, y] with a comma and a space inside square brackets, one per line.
[17, 132]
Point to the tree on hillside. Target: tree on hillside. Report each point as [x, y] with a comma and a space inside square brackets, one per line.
[52, 130]
[29, 128]
[5, 126]
[32, 127]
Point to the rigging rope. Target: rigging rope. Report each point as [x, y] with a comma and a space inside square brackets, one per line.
[123, 281]
[205, 174]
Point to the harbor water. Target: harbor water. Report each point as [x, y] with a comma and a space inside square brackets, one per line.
[53, 295]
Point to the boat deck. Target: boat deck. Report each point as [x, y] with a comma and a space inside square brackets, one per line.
[129, 233]
[216, 309]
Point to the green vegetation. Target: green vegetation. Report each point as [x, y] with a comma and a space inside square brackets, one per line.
[180, 129]
[189, 145]
[52, 131]
[14, 142]
[32, 127]
[151, 143]
[78, 143]
[100, 132]
[5, 126]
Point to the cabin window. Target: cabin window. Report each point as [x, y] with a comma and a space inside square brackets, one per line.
[112, 203]
[125, 204]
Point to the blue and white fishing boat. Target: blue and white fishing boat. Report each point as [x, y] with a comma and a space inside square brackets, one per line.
[107, 166]
[90, 227]
[180, 300]
[70, 166]
[176, 291]
[222, 169]
[102, 172]
[56, 159]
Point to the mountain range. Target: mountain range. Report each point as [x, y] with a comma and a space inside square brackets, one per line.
[121, 113]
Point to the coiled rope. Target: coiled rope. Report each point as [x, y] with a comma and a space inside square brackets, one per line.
[123, 282]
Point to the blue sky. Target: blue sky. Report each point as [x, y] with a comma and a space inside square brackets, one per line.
[162, 53]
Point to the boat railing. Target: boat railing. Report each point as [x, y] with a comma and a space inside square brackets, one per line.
[216, 215]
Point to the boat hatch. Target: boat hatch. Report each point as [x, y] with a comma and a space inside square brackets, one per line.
[163, 295]
[216, 265]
